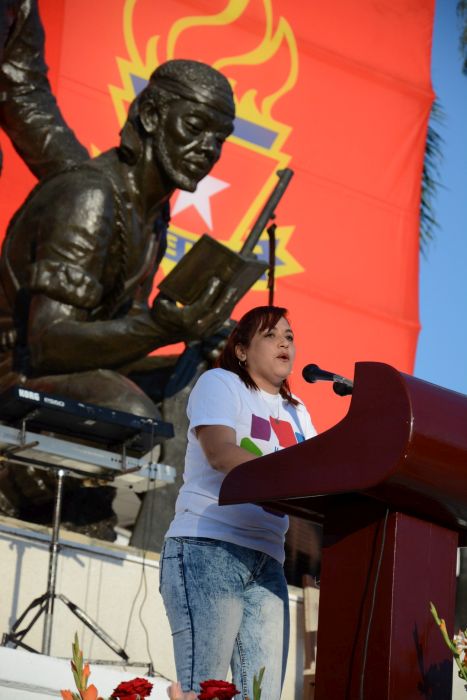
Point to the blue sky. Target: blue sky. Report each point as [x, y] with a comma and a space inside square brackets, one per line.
[442, 346]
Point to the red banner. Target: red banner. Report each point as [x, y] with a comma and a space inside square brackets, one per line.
[339, 92]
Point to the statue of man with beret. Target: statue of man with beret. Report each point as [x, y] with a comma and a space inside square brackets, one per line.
[80, 255]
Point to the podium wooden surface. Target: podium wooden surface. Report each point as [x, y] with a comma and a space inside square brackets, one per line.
[389, 485]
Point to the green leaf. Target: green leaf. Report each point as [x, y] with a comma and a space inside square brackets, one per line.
[77, 665]
[450, 644]
[257, 680]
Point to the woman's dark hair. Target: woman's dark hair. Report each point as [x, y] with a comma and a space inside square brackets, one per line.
[257, 319]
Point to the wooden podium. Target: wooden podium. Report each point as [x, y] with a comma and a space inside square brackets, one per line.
[389, 485]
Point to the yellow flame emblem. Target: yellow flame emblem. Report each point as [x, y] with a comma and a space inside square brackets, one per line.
[245, 72]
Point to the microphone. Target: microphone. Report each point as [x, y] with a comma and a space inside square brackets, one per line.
[341, 385]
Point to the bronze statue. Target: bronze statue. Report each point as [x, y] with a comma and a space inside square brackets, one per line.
[80, 255]
[28, 110]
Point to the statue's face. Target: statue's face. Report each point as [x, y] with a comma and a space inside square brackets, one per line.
[188, 141]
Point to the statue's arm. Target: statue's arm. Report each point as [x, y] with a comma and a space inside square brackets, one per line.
[76, 237]
[62, 338]
[28, 111]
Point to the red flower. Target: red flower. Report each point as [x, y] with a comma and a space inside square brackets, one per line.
[217, 689]
[132, 690]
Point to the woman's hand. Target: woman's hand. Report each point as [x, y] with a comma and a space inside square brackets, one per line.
[175, 692]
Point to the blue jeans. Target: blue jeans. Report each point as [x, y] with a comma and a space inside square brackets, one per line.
[227, 605]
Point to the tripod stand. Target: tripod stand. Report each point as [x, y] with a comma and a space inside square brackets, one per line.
[45, 602]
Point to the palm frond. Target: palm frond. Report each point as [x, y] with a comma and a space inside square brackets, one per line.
[462, 15]
[431, 177]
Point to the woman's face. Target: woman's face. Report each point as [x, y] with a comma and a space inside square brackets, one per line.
[270, 356]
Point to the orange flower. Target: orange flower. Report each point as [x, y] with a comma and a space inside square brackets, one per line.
[86, 671]
[66, 694]
[90, 693]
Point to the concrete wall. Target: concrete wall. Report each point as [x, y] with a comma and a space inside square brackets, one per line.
[117, 587]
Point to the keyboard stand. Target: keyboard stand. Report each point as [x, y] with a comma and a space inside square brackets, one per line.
[45, 452]
[45, 602]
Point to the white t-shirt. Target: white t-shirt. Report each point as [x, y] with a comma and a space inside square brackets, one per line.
[263, 423]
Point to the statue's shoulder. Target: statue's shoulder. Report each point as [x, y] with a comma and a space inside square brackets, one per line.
[84, 196]
[93, 174]
[77, 189]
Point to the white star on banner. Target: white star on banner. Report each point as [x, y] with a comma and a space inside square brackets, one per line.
[201, 198]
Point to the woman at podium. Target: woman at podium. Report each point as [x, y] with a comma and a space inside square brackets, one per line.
[222, 578]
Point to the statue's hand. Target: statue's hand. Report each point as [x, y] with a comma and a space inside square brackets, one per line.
[198, 320]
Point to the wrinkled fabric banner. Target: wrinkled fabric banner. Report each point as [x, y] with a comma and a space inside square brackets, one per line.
[338, 92]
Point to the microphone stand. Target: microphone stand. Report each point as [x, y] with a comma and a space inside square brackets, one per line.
[342, 389]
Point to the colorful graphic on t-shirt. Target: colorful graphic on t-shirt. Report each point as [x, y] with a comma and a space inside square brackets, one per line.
[261, 429]
[250, 446]
[284, 432]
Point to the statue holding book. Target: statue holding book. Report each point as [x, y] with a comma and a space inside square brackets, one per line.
[81, 253]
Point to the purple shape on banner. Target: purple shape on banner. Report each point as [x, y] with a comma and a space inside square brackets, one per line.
[260, 428]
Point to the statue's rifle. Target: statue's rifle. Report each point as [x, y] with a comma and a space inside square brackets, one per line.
[268, 212]
[209, 258]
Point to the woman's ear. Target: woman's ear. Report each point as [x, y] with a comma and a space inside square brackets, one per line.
[240, 353]
[149, 116]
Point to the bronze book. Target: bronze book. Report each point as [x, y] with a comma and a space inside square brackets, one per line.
[206, 259]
